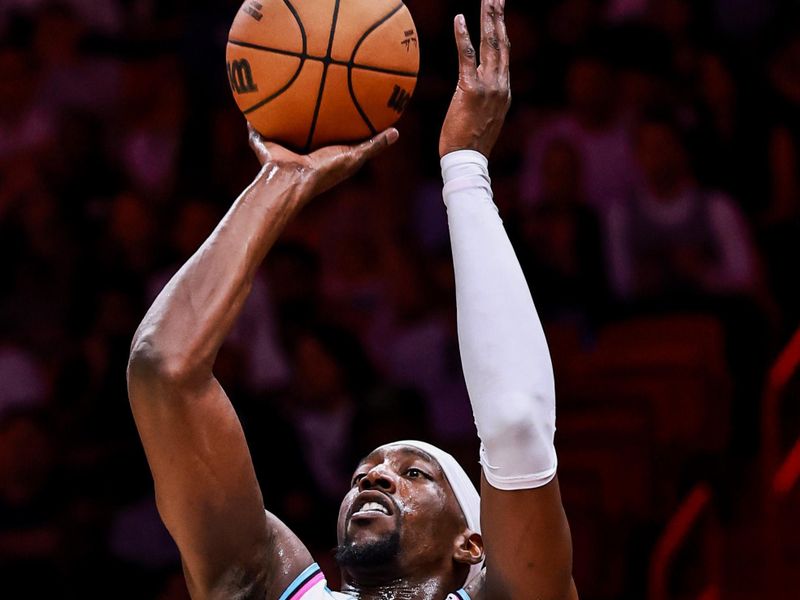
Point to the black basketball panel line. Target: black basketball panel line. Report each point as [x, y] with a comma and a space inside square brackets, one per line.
[374, 67]
[300, 27]
[354, 99]
[412, 79]
[326, 62]
[334, 22]
[352, 64]
[372, 28]
[383, 70]
[274, 95]
[297, 18]
[271, 50]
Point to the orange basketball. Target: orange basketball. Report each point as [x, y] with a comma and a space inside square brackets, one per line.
[308, 73]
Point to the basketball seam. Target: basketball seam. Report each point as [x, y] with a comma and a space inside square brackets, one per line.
[350, 88]
[326, 64]
[294, 77]
[279, 92]
[333, 61]
[297, 18]
[373, 28]
[357, 67]
[360, 110]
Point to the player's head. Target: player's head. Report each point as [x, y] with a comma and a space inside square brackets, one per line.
[411, 512]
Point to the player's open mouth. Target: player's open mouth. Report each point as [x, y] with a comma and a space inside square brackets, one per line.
[371, 504]
[371, 507]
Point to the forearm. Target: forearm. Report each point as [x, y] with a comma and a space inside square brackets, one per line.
[503, 348]
[186, 325]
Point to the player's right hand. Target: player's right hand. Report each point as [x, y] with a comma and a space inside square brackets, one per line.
[483, 95]
[324, 168]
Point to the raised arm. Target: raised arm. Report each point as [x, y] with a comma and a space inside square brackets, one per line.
[206, 489]
[503, 349]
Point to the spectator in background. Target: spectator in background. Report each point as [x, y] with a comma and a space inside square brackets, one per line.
[38, 266]
[781, 220]
[354, 267]
[671, 239]
[597, 130]
[617, 11]
[24, 384]
[330, 378]
[722, 139]
[784, 75]
[130, 246]
[72, 77]
[416, 343]
[743, 19]
[25, 125]
[293, 274]
[104, 16]
[154, 114]
[570, 22]
[562, 247]
[675, 246]
[30, 531]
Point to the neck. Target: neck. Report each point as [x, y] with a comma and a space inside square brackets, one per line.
[434, 588]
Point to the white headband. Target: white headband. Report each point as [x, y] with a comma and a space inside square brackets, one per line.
[465, 492]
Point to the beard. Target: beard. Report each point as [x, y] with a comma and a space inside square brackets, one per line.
[369, 555]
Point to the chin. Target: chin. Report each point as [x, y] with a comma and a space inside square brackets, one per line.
[378, 551]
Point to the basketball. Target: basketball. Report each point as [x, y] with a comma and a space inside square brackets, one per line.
[309, 73]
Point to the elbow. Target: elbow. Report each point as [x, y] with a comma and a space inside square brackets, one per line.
[150, 365]
[517, 442]
[520, 421]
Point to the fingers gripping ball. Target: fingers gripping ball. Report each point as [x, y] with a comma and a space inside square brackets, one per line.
[308, 73]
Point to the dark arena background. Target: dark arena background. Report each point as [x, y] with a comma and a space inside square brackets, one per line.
[121, 147]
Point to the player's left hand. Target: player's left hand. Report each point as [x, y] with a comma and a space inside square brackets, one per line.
[323, 169]
[483, 95]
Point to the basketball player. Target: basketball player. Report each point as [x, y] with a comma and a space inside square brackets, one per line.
[412, 526]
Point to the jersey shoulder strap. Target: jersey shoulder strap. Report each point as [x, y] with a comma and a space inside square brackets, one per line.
[311, 585]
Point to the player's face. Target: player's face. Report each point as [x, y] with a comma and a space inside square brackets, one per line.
[400, 511]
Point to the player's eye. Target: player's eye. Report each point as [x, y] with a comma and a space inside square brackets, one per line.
[415, 473]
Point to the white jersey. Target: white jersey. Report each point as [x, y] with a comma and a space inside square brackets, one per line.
[311, 585]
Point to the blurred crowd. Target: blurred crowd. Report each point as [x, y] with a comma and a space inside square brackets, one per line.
[650, 166]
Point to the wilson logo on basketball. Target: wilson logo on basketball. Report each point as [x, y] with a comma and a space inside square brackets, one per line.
[399, 99]
[241, 77]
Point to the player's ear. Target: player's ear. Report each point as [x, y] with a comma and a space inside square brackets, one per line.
[468, 548]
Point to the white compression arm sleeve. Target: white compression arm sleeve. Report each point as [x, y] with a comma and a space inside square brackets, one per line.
[503, 349]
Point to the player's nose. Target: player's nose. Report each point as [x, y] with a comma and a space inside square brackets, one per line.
[380, 478]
